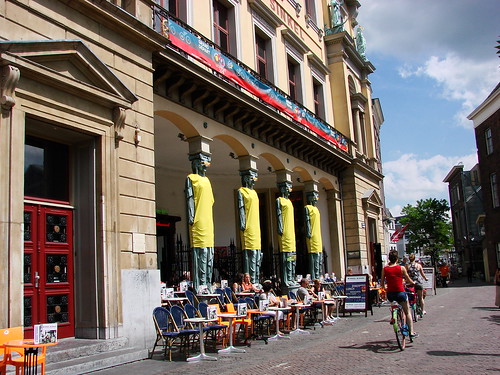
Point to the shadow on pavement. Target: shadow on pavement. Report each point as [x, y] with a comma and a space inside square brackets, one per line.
[445, 353]
[376, 347]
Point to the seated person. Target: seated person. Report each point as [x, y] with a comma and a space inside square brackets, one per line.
[237, 288]
[268, 293]
[330, 307]
[304, 290]
[247, 286]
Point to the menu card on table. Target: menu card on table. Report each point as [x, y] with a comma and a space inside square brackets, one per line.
[45, 333]
[242, 308]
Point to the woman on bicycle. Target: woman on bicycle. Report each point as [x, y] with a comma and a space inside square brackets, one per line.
[416, 273]
[392, 276]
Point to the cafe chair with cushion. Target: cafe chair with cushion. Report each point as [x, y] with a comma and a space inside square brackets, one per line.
[191, 311]
[164, 334]
[222, 296]
[215, 329]
[259, 320]
[186, 331]
[231, 297]
[192, 298]
[245, 322]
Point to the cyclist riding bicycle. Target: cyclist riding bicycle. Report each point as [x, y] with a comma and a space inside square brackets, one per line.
[416, 272]
[393, 275]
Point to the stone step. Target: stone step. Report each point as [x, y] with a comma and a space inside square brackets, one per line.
[71, 348]
[97, 361]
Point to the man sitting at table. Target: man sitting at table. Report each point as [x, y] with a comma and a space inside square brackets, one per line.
[304, 290]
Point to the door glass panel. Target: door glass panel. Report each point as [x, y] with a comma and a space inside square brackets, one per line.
[27, 226]
[27, 268]
[57, 268]
[46, 169]
[56, 228]
[27, 311]
[57, 308]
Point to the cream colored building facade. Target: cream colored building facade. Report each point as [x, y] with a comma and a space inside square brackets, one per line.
[104, 108]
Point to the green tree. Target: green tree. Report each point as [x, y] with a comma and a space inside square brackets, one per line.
[429, 226]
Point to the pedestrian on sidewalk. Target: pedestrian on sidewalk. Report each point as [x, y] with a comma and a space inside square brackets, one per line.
[497, 283]
[445, 273]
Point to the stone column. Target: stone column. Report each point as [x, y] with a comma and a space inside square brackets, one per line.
[337, 254]
[11, 196]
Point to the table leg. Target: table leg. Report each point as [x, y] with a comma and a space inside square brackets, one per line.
[231, 348]
[297, 330]
[278, 334]
[202, 356]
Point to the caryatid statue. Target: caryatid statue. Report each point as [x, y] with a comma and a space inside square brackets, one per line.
[313, 234]
[286, 234]
[200, 200]
[249, 220]
[336, 22]
[361, 43]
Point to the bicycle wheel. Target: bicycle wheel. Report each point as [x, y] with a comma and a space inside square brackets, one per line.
[414, 313]
[420, 312]
[398, 329]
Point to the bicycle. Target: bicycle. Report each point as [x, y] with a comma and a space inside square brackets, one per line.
[413, 302]
[397, 323]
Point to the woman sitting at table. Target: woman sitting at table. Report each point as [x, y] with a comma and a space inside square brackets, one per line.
[330, 307]
[268, 294]
[237, 288]
[247, 285]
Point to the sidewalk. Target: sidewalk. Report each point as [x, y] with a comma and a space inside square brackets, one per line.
[459, 334]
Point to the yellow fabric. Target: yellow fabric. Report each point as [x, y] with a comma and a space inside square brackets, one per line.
[287, 240]
[314, 244]
[202, 230]
[251, 235]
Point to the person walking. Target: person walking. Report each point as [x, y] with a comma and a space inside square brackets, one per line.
[416, 273]
[392, 280]
[445, 273]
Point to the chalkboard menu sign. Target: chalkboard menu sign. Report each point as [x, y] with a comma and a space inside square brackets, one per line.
[357, 291]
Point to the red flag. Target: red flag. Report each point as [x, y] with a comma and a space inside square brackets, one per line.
[394, 237]
[402, 232]
[398, 234]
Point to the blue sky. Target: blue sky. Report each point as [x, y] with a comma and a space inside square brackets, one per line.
[435, 63]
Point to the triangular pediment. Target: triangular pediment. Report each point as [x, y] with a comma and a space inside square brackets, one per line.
[372, 198]
[73, 60]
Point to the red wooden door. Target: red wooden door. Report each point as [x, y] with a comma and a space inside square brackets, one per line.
[48, 268]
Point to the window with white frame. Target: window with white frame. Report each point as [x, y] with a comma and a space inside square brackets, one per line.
[489, 141]
[494, 190]
[294, 80]
[263, 52]
[318, 99]
[311, 9]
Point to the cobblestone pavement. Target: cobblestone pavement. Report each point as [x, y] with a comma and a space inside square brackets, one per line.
[460, 334]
